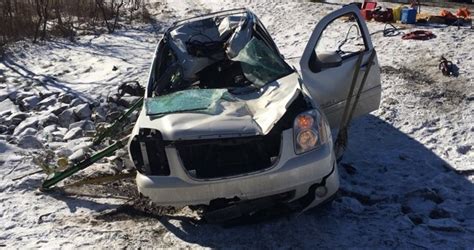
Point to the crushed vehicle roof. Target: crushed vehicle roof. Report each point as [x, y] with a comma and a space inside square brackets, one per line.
[223, 67]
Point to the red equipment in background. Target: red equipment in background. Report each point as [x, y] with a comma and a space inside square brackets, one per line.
[368, 9]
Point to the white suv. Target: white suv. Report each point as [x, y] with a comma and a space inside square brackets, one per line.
[227, 121]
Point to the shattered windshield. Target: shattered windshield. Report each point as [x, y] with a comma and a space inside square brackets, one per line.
[182, 101]
[260, 64]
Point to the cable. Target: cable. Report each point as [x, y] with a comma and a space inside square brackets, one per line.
[347, 36]
[392, 31]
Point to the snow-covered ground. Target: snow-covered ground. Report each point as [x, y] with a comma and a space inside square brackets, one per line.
[407, 177]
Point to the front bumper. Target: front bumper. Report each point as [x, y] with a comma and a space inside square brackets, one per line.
[292, 173]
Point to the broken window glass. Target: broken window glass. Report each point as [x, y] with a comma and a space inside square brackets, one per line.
[260, 64]
[183, 101]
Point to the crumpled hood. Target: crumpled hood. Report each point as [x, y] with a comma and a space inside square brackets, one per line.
[247, 115]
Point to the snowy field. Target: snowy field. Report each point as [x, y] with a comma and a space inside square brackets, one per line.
[407, 177]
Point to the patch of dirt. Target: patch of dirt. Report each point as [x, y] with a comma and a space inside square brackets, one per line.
[140, 207]
[445, 90]
[408, 74]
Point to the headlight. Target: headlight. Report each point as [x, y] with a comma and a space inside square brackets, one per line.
[310, 131]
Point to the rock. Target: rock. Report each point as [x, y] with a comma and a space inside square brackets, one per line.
[47, 102]
[4, 117]
[29, 142]
[8, 106]
[78, 155]
[31, 122]
[13, 95]
[63, 152]
[50, 128]
[3, 129]
[30, 102]
[58, 133]
[447, 225]
[66, 98]
[83, 111]
[17, 118]
[48, 94]
[67, 117]
[47, 120]
[11, 128]
[48, 133]
[84, 124]
[56, 136]
[28, 131]
[73, 134]
[58, 110]
[76, 102]
[26, 92]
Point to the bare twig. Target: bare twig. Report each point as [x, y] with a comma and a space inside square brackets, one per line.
[11, 171]
[26, 175]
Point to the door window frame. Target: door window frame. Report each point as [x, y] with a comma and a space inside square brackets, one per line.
[350, 9]
[345, 57]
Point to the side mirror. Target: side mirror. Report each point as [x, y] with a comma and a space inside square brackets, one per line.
[324, 60]
[329, 59]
